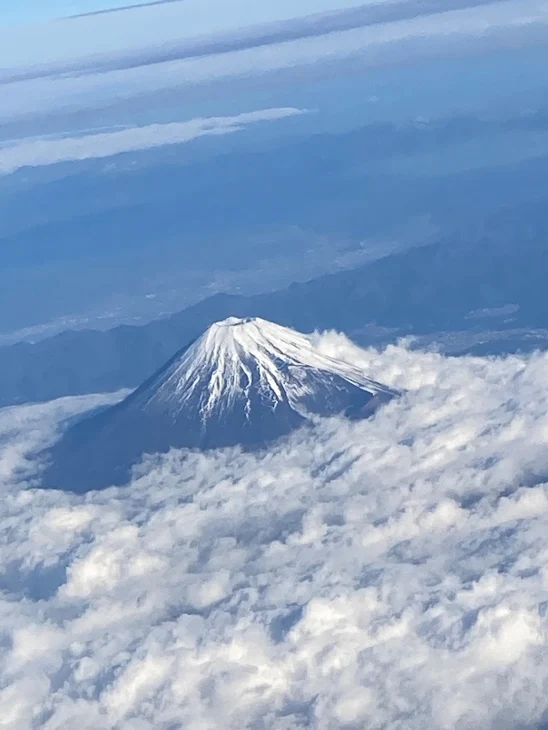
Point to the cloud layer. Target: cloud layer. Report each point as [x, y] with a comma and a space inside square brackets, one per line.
[385, 574]
[251, 31]
[36, 152]
[372, 35]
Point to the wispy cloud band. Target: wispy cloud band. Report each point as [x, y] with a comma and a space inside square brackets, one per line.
[37, 152]
[278, 49]
[267, 34]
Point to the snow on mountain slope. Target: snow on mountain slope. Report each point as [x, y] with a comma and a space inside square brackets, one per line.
[244, 382]
[236, 356]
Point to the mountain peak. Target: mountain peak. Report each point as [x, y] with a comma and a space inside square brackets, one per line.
[243, 382]
[237, 356]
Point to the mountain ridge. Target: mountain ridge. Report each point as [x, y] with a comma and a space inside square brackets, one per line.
[421, 291]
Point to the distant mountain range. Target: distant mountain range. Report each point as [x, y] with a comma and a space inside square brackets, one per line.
[244, 382]
[99, 236]
[497, 284]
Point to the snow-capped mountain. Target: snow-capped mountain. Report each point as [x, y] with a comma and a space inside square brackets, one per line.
[244, 381]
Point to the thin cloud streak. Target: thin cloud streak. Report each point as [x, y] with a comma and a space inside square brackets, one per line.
[38, 152]
[120, 9]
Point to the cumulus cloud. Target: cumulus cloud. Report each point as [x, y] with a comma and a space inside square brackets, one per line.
[47, 151]
[384, 574]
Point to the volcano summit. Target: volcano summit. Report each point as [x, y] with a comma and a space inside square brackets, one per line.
[243, 382]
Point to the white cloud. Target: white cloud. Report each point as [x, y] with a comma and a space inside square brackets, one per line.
[125, 37]
[384, 574]
[48, 151]
[454, 27]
